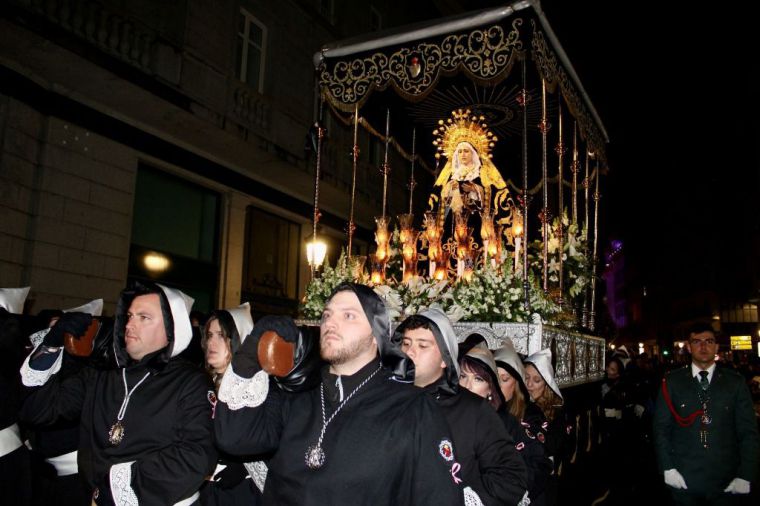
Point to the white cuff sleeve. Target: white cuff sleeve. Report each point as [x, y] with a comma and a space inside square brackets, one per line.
[34, 378]
[120, 477]
[471, 498]
[257, 470]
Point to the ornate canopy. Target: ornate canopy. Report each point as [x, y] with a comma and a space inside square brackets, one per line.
[484, 47]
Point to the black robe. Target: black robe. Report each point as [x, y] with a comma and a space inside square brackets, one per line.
[388, 445]
[529, 441]
[168, 428]
[486, 452]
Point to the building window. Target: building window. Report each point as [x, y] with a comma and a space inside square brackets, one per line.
[175, 235]
[270, 267]
[251, 45]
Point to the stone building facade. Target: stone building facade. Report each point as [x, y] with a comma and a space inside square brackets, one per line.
[176, 131]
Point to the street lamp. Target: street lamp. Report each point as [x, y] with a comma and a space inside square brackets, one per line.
[316, 250]
[155, 262]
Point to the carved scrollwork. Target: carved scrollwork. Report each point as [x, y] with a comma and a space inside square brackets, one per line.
[486, 54]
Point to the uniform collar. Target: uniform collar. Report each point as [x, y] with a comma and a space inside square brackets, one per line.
[710, 370]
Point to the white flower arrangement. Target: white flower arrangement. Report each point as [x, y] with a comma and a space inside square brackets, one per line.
[320, 287]
[575, 263]
[493, 293]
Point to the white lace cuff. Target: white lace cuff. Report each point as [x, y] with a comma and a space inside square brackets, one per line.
[238, 392]
[120, 477]
[471, 498]
[258, 473]
[34, 378]
[525, 501]
[38, 337]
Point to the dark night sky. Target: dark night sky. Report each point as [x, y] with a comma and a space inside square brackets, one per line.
[674, 85]
[674, 88]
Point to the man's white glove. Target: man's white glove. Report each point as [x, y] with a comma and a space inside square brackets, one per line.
[638, 410]
[674, 479]
[738, 486]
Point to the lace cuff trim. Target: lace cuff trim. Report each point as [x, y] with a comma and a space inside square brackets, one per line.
[34, 378]
[471, 498]
[120, 477]
[238, 392]
[258, 472]
[525, 501]
[38, 337]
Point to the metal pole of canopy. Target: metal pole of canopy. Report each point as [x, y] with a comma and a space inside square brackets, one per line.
[597, 196]
[574, 169]
[525, 194]
[412, 182]
[355, 151]
[386, 168]
[560, 213]
[316, 215]
[586, 185]
[544, 127]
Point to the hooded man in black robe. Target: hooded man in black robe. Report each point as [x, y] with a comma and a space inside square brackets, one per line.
[363, 435]
[492, 470]
[146, 431]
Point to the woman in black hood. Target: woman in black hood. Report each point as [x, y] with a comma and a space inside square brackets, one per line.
[222, 335]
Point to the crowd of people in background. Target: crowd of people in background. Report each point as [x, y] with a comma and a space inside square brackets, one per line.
[363, 411]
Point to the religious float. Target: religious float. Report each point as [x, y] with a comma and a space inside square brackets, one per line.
[507, 244]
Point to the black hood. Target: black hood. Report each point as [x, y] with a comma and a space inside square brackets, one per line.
[175, 314]
[446, 339]
[390, 352]
[228, 324]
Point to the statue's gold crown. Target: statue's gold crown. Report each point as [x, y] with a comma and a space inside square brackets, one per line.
[463, 126]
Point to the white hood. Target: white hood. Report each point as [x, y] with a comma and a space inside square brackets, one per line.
[180, 305]
[542, 360]
[12, 299]
[93, 308]
[243, 320]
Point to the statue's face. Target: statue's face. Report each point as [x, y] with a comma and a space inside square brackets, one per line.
[465, 154]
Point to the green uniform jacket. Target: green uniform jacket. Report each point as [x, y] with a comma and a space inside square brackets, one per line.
[732, 437]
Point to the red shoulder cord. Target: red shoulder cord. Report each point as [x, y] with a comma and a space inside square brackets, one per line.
[680, 420]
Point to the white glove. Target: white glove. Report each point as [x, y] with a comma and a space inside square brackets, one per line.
[638, 410]
[738, 486]
[674, 479]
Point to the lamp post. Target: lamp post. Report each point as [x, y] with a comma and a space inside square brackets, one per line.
[316, 250]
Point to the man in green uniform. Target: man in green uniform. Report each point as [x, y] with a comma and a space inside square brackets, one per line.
[705, 429]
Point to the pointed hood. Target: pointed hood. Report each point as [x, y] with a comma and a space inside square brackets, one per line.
[622, 354]
[175, 308]
[12, 299]
[237, 323]
[507, 358]
[180, 305]
[241, 315]
[542, 360]
[481, 353]
[374, 309]
[94, 308]
[445, 338]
